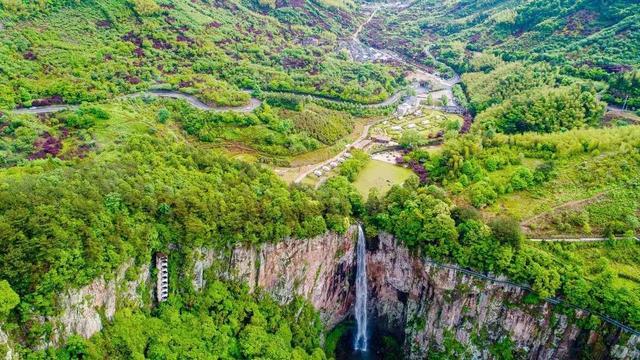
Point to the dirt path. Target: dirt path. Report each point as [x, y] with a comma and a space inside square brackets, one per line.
[420, 73]
[568, 205]
[577, 239]
[359, 30]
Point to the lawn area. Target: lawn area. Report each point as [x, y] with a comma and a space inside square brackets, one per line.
[380, 175]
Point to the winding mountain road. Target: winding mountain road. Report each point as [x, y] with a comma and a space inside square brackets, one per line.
[253, 104]
[420, 73]
[192, 100]
[419, 70]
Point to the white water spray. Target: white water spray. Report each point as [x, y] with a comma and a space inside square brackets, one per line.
[361, 293]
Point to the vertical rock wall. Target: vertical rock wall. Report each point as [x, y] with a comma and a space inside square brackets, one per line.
[426, 304]
[81, 310]
[6, 352]
[319, 269]
[422, 303]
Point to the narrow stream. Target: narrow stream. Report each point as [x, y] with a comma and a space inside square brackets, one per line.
[360, 343]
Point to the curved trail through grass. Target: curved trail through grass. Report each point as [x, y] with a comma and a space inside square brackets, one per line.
[578, 239]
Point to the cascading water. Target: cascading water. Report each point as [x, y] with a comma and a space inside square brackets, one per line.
[360, 343]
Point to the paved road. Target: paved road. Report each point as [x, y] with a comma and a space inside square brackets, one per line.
[195, 102]
[422, 71]
[192, 100]
[44, 109]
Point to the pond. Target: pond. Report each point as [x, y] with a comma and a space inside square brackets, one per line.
[382, 346]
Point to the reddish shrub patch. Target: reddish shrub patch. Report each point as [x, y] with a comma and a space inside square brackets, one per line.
[579, 22]
[138, 52]
[29, 55]
[161, 44]
[167, 6]
[170, 20]
[132, 38]
[183, 38]
[133, 79]
[466, 124]
[107, 57]
[105, 24]
[616, 68]
[46, 145]
[214, 24]
[293, 63]
[254, 31]
[52, 100]
[184, 84]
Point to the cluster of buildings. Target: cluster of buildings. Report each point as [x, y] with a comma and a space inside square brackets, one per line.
[331, 165]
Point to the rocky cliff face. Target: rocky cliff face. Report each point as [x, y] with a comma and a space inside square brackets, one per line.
[6, 352]
[423, 304]
[81, 309]
[320, 269]
[428, 305]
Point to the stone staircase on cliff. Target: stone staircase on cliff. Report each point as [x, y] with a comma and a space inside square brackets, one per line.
[162, 283]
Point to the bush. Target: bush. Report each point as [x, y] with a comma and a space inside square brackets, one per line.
[482, 194]
[163, 115]
[145, 7]
[411, 139]
[8, 299]
[352, 167]
[521, 179]
[507, 231]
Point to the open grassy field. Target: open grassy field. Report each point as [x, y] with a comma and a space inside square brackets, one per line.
[380, 175]
[621, 257]
[593, 189]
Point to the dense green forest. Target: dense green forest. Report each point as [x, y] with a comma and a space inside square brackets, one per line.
[224, 322]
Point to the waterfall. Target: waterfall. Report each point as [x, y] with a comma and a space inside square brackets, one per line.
[361, 293]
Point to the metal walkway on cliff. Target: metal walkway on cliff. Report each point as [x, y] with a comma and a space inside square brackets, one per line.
[162, 283]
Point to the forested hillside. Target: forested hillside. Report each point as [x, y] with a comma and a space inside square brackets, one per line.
[588, 33]
[70, 52]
